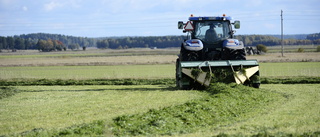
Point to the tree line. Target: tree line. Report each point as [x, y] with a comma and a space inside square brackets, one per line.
[141, 42]
[45, 42]
[253, 40]
[57, 42]
[175, 41]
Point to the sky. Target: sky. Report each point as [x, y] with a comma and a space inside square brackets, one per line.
[106, 18]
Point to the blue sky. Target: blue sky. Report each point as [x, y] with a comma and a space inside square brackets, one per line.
[103, 18]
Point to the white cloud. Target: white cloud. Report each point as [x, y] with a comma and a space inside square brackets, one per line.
[24, 8]
[52, 5]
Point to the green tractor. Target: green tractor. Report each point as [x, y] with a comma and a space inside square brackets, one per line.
[210, 53]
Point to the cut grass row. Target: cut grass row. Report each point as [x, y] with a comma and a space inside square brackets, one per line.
[63, 82]
[223, 105]
[224, 110]
[57, 107]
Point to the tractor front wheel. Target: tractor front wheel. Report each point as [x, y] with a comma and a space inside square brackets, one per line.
[256, 85]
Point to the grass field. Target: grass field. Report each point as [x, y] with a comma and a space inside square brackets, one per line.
[143, 71]
[292, 48]
[88, 72]
[91, 110]
[298, 114]
[56, 107]
[290, 69]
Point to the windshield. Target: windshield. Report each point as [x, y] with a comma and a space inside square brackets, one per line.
[212, 31]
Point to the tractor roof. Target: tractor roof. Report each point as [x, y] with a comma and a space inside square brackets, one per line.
[210, 18]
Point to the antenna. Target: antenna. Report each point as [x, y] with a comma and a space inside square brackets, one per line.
[281, 33]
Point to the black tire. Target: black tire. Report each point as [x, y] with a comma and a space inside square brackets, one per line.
[239, 55]
[186, 55]
[256, 85]
[234, 54]
[178, 85]
[192, 56]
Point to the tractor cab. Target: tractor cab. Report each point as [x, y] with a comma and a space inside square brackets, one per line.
[213, 37]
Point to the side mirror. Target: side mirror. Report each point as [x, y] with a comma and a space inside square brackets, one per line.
[237, 24]
[180, 25]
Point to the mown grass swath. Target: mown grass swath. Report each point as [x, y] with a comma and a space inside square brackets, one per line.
[88, 129]
[224, 104]
[58, 107]
[220, 106]
[167, 81]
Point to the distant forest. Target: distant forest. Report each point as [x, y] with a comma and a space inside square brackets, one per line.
[57, 42]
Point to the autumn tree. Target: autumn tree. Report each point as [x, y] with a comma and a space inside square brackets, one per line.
[261, 47]
[50, 45]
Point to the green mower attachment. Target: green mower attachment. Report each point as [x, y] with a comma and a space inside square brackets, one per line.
[195, 74]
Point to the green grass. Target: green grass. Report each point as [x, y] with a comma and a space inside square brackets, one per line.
[163, 82]
[7, 92]
[292, 48]
[297, 116]
[88, 72]
[281, 110]
[290, 80]
[144, 71]
[52, 82]
[56, 107]
[290, 69]
[223, 105]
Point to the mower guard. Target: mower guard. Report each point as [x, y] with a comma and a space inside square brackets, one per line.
[248, 69]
